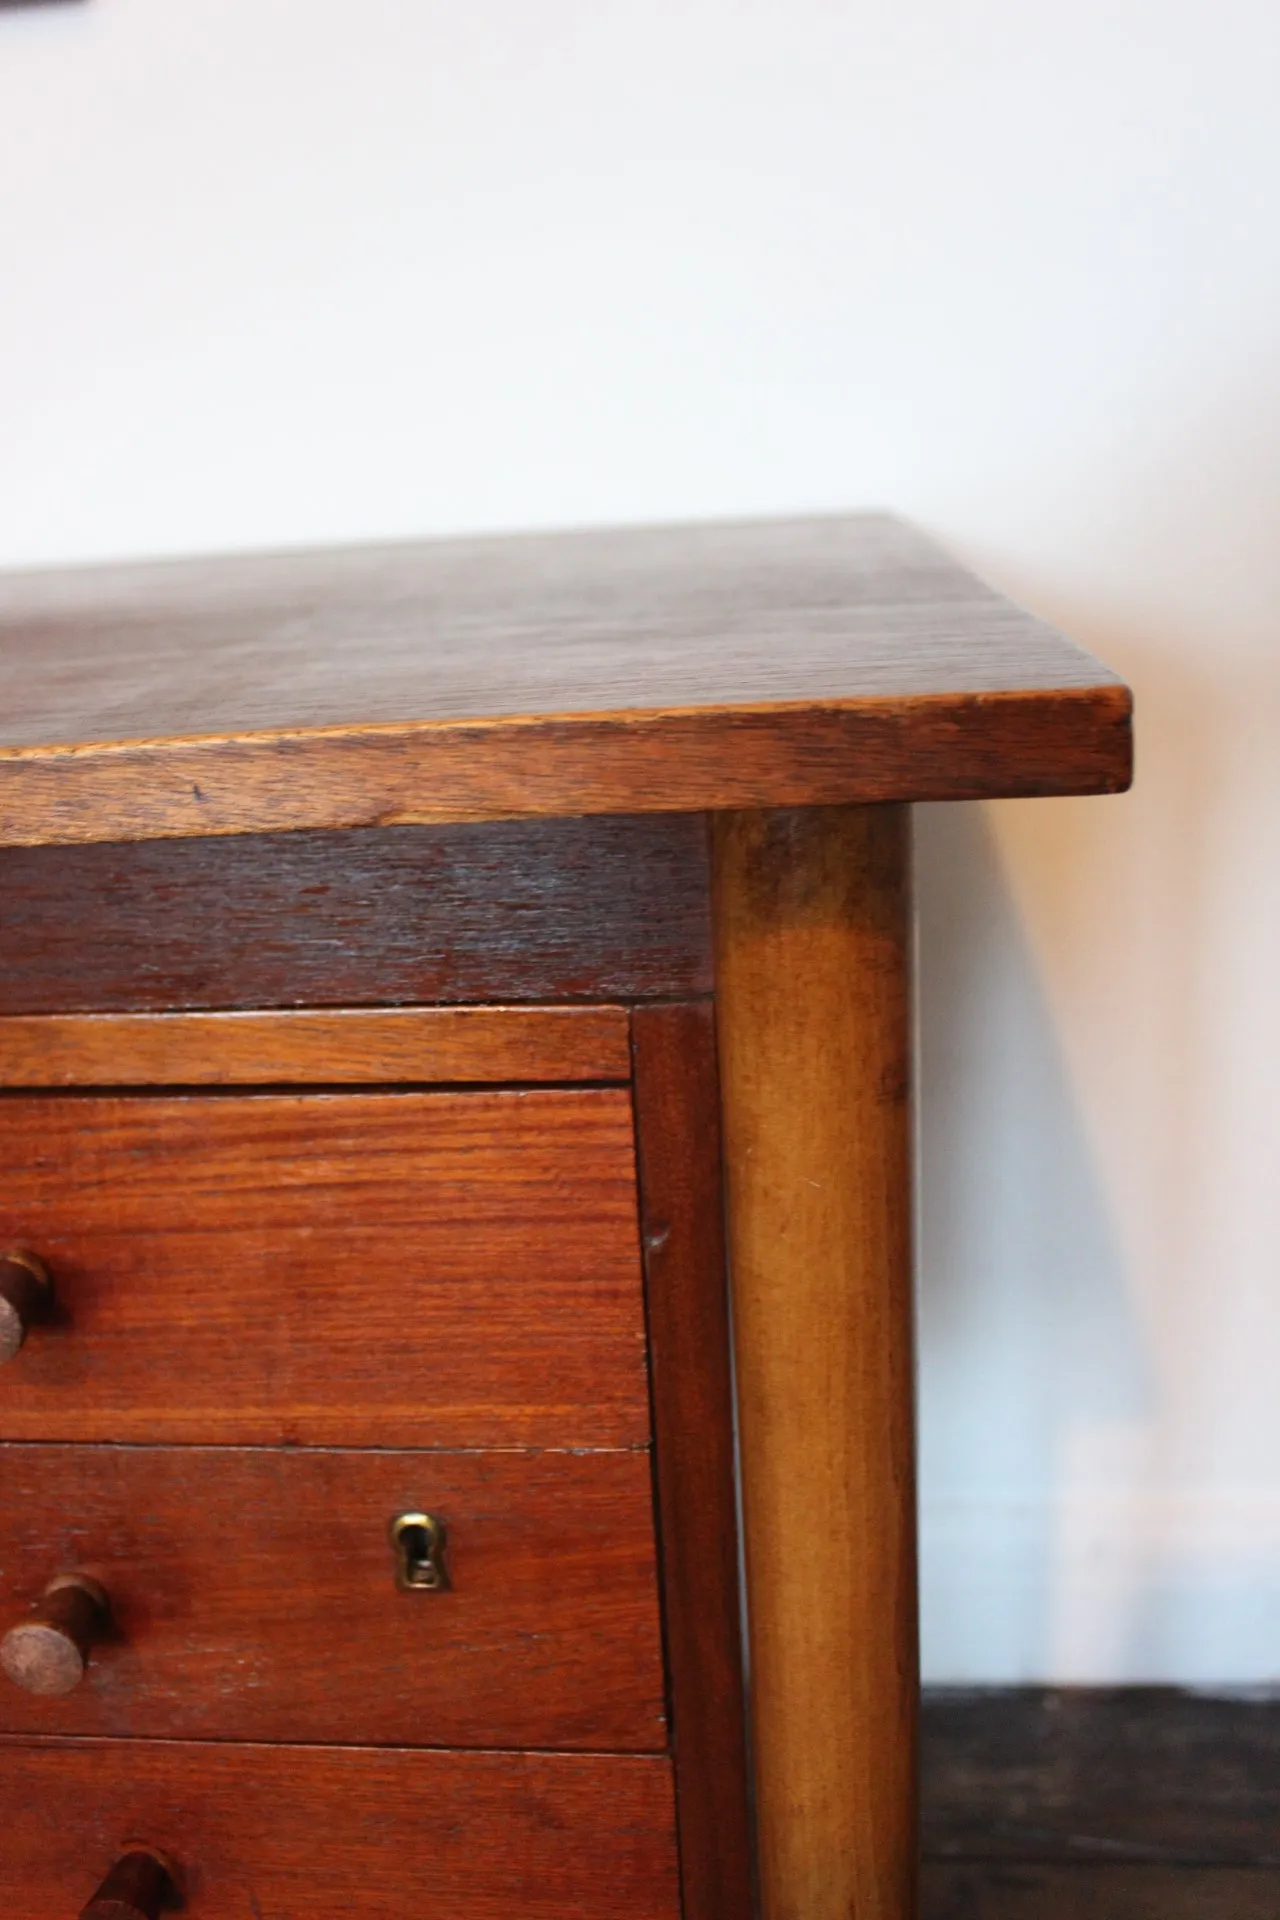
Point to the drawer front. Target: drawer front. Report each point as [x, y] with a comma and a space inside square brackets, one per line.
[253, 1595]
[279, 1834]
[389, 1269]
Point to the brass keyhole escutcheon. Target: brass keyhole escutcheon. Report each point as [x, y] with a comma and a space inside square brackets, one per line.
[418, 1540]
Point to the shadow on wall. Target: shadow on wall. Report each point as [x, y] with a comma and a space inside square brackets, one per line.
[1099, 1058]
[1025, 1322]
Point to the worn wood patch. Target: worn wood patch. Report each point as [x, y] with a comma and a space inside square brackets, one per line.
[1012, 1891]
[1142, 1774]
[609, 909]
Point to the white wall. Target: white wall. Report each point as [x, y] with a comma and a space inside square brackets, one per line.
[281, 271]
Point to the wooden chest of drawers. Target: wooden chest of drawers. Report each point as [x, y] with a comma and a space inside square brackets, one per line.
[369, 1533]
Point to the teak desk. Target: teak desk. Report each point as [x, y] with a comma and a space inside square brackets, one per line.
[395, 945]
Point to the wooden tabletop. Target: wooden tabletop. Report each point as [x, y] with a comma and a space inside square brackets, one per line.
[654, 669]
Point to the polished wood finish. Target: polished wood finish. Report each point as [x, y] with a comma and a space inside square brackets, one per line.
[267, 1833]
[812, 953]
[316, 1300]
[138, 1887]
[525, 910]
[254, 1595]
[617, 672]
[382, 1269]
[47, 1653]
[962, 746]
[313, 1046]
[678, 1132]
[24, 1296]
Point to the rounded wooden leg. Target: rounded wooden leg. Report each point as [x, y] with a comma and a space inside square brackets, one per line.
[812, 955]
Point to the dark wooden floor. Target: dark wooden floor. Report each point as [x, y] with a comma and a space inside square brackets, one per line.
[1124, 1804]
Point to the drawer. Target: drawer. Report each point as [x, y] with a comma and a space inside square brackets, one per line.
[321, 1834]
[253, 1595]
[390, 1269]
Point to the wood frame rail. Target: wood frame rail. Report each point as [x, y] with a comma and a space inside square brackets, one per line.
[310, 1046]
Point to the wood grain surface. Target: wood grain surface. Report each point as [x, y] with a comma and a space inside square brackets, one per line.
[1116, 1803]
[812, 936]
[253, 1595]
[768, 664]
[1010, 1891]
[275, 1833]
[608, 909]
[389, 1269]
[1141, 1775]
[682, 1229]
[313, 1046]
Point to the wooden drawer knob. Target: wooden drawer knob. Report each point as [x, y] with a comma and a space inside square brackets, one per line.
[48, 1652]
[138, 1887]
[24, 1291]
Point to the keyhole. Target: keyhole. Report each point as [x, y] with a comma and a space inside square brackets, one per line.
[417, 1540]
